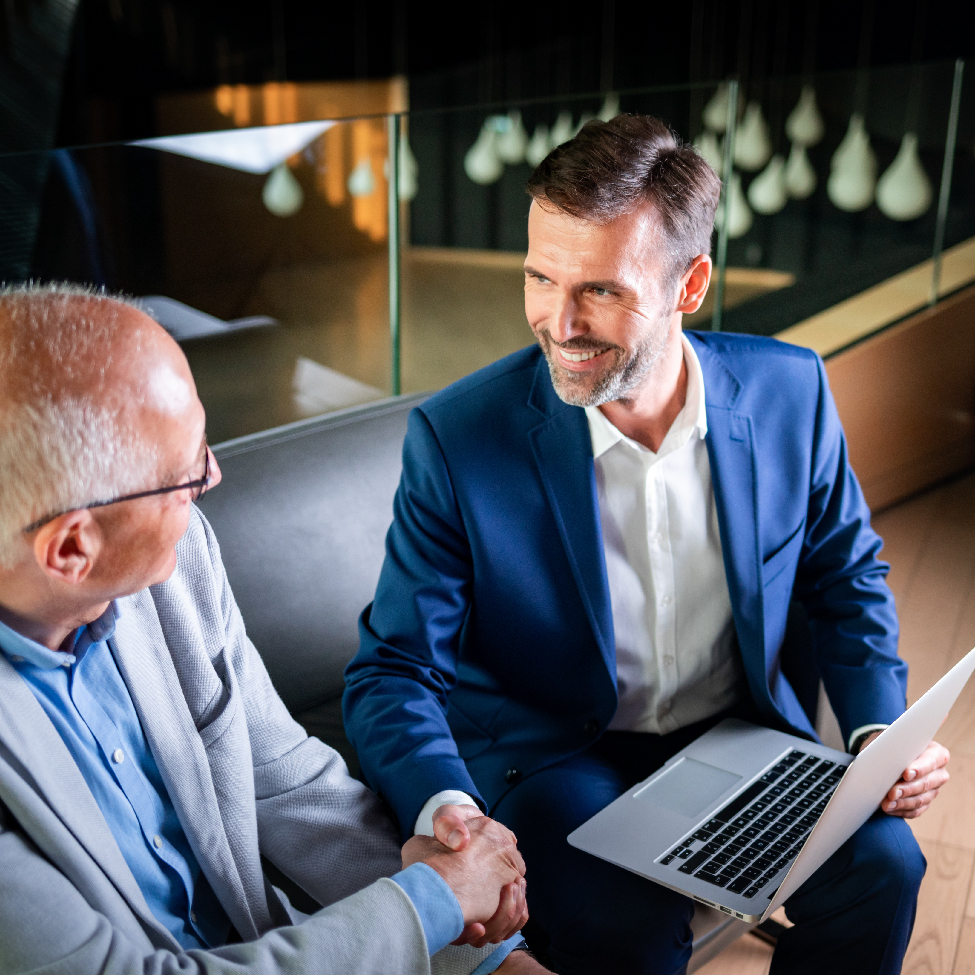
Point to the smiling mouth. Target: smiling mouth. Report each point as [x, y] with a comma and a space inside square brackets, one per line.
[580, 356]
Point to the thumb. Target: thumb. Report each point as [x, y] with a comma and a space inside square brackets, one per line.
[451, 830]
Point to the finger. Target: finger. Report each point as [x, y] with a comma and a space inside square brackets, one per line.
[451, 828]
[910, 802]
[933, 757]
[909, 813]
[520, 913]
[933, 780]
[510, 905]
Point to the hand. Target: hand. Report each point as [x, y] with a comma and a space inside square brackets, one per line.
[479, 860]
[914, 791]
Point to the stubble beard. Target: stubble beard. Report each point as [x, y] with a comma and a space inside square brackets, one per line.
[618, 381]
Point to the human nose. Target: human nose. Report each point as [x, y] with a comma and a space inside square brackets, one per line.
[214, 474]
[564, 320]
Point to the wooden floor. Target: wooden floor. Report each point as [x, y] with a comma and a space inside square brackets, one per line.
[930, 544]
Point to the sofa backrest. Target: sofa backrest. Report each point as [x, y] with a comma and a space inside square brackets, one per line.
[301, 516]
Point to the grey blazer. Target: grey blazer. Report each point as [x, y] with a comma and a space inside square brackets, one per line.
[245, 780]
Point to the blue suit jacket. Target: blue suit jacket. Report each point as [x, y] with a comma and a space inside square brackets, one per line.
[489, 646]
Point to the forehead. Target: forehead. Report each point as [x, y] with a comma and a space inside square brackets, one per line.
[562, 243]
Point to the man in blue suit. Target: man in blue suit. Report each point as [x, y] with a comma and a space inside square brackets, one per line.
[594, 549]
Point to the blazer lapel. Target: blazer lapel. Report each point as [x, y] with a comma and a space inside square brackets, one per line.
[145, 663]
[563, 451]
[731, 452]
[47, 766]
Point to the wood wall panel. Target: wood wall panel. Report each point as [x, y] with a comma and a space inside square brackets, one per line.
[907, 401]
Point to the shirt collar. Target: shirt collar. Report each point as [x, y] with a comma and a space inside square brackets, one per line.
[692, 418]
[14, 644]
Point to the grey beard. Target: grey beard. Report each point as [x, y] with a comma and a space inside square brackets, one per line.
[622, 379]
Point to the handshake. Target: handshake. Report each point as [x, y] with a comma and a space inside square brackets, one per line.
[478, 859]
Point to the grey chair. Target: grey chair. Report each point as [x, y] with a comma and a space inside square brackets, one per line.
[301, 517]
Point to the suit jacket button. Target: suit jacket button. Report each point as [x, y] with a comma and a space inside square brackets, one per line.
[512, 775]
[591, 727]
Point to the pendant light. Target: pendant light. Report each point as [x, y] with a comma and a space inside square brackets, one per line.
[715, 113]
[538, 146]
[282, 193]
[753, 148]
[739, 216]
[853, 176]
[361, 180]
[481, 162]
[800, 177]
[804, 126]
[512, 139]
[709, 149]
[611, 107]
[904, 191]
[767, 194]
[408, 184]
[563, 129]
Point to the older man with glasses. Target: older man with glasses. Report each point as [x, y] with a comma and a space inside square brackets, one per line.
[146, 762]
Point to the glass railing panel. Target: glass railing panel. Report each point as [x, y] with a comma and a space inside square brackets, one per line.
[263, 251]
[867, 212]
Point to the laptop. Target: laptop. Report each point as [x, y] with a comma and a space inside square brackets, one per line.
[742, 816]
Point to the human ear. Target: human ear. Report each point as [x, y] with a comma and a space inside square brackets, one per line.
[694, 285]
[67, 547]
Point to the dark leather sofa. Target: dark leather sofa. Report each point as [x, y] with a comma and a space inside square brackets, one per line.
[301, 516]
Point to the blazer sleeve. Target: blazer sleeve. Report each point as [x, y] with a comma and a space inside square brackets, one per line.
[395, 702]
[47, 926]
[841, 582]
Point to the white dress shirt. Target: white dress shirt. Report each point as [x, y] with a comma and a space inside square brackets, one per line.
[675, 662]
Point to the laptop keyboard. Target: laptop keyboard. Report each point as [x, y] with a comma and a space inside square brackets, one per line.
[761, 831]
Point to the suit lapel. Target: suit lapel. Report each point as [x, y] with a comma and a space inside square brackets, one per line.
[563, 452]
[732, 456]
[47, 766]
[147, 668]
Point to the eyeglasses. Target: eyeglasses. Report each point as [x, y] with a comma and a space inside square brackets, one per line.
[199, 487]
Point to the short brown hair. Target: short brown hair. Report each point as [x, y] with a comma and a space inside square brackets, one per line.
[611, 168]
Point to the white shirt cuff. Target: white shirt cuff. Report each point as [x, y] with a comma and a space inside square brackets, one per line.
[862, 730]
[424, 822]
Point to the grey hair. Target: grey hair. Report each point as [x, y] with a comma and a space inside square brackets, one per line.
[60, 450]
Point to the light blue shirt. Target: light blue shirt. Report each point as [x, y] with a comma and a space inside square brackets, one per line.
[85, 697]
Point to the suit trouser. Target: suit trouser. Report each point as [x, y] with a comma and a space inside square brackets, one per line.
[854, 915]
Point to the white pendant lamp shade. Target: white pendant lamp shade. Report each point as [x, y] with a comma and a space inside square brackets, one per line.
[481, 163]
[767, 193]
[282, 193]
[804, 126]
[739, 216]
[538, 146]
[611, 107]
[361, 180]
[512, 139]
[709, 149]
[585, 117]
[563, 130]
[408, 185]
[716, 111]
[800, 177]
[904, 191]
[753, 148]
[853, 178]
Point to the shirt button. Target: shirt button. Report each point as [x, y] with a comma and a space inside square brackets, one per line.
[16, 659]
[193, 916]
[664, 709]
[118, 756]
[667, 600]
[669, 660]
[157, 842]
[512, 775]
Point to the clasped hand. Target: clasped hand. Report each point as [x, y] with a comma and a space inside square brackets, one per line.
[479, 860]
[915, 790]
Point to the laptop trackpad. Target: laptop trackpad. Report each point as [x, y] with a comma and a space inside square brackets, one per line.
[688, 787]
